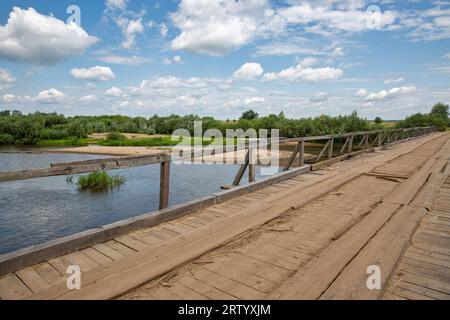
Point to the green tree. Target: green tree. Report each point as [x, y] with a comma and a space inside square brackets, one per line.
[440, 110]
[378, 120]
[250, 115]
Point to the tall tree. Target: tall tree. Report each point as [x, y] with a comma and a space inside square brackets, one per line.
[440, 110]
[249, 115]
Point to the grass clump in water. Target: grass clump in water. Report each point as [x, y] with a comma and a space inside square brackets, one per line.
[99, 181]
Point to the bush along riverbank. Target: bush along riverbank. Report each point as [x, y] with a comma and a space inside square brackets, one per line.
[56, 130]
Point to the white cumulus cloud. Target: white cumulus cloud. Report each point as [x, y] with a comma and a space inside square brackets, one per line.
[248, 71]
[299, 72]
[130, 29]
[96, 73]
[89, 98]
[11, 98]
[394, 92]
[123, 60]
[113, 92]
[50, 96]
[32, 37]
[362, 93]
[309, 62]
[254, 100]
[116, 4]
[217, 27]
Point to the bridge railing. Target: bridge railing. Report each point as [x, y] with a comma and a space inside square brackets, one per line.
[116, 163]
[336, 145]
[353, 141]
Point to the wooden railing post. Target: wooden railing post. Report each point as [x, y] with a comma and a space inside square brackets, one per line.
[302, 153]
[253, 158]
[350, 144]
[241, 171]
[251, 173]
[293, 155]
[164, 183]
[327, 145]
[330, 149]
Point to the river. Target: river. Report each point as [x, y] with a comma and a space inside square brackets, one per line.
[38, 210]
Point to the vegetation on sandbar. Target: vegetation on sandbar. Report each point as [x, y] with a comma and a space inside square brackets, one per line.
[98, 181]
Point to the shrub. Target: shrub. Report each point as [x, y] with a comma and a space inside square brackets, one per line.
[116, 136]
[150, 130]
[99, 181]
[6, 139]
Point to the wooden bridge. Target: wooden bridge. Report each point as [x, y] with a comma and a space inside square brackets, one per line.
[311, 232]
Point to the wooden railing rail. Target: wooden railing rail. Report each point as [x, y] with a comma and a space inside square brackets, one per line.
[117, 163]
[365, 141]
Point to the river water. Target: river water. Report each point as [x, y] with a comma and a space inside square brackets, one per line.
[38, 210]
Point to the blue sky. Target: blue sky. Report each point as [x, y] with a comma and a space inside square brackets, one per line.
[382, 58]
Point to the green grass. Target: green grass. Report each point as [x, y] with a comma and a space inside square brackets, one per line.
[141, 142]
[155, 142]
[72, 142]
[99, 182]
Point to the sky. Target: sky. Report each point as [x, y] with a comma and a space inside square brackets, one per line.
[221, 57]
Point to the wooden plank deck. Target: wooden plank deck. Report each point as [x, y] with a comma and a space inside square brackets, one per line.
[320, 250]
[247, 247]
[424, 270]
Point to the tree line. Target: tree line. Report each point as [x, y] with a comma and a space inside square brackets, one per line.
[30, 129]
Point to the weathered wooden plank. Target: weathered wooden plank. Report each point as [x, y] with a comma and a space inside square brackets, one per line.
[81, 260]
[84, 167]
[430, 293]
[48, 273]
[225, 284]
[421, 255]
[204, 289]
[384, 250]
[422, 268]
[317, 275]
[32, 279]
[122, 249]
[248, 279]
[108, 251]
[60, 264]
[11, 288]
[131, 242]
[181, 290]
[409, 294]
[427, 282]
[95, 255]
